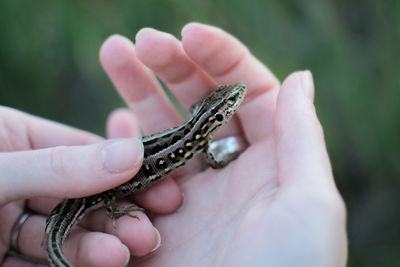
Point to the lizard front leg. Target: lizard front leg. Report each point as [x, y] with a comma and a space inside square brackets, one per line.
[220, 153]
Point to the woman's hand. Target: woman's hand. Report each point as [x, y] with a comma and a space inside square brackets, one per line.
[42, 162]
[277, 204]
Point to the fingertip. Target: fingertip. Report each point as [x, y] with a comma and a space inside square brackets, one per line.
[113, 41]
[113, 50]
[144, 34]
[99, 249]
[156, 49]
[122, 123]
[292, 79]
[296, 90]
[194, 33]
[216, 51]
[191, 27]
[122, 155]
[188, 27]
[300, 80]
[138, 234]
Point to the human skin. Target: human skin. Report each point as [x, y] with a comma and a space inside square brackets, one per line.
[276, 205]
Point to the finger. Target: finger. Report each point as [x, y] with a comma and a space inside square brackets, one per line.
[122, 123]
[138, 234]
[303, 162]
[141, 237]
[85, 248]
[163, 197]
[227, 60]
[10, 213]
[137, 85]
[164, 55]
[31, 235]
[301, 146]
[304, 171]
[56, 171]
[30, 132]
[16, 261]
[43, 205]
[96, 249]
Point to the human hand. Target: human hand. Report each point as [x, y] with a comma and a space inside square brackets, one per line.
[287, 189]
[42, 161]
[277, 204]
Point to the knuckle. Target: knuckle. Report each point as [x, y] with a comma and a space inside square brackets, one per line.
[13, 131]
[57, 160]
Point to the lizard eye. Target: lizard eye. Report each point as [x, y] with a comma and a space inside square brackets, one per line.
[232, 98]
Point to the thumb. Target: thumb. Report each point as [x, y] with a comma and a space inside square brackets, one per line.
[68, 171]
[307, 187]
[301, 151]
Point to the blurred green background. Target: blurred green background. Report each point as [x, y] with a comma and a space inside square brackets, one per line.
[49, 67]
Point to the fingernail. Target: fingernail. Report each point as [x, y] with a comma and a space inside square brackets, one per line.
[128, 258]
[122, 154]
[159, 240]
[307, 84]
[182, 202]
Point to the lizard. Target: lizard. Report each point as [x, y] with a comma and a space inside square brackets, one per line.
[163, 153]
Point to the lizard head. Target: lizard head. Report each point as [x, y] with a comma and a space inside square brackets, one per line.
[220, 105]
[226, 99]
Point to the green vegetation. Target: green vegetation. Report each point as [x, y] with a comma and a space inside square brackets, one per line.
[49, 67]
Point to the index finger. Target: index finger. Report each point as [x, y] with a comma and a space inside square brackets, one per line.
[228, 61]
[22, 131]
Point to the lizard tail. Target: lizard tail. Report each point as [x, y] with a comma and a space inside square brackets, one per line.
[68, 213]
